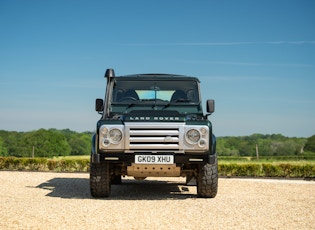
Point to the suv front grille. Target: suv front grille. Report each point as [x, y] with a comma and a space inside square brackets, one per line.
[153, 137]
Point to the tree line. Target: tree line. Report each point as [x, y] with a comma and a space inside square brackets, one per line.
[45, 143]
[53, 142]
[265, 145]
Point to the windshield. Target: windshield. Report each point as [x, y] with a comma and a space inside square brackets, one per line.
[167, 91]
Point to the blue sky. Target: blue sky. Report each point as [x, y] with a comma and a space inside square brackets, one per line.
[255, 58]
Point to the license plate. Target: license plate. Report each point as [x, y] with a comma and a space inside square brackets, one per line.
[154, 159]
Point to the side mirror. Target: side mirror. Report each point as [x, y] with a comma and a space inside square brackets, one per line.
[99, 105]
[210, 106]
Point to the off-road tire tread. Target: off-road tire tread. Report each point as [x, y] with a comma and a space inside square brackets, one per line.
[207, 180]
[100, 180]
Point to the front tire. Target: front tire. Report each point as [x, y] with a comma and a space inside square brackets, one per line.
[100, 180]
[207, 180]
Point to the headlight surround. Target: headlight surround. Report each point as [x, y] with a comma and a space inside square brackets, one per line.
[110, 135]
[197, 137]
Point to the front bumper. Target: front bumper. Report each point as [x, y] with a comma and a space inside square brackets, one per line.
[130, 158]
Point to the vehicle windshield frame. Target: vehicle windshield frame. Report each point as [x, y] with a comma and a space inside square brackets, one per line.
[155, 91]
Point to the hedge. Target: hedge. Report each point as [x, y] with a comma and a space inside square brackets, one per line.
[43, 164]
[289, 170]
[256, 169]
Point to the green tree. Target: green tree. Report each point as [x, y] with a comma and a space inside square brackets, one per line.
[224, 148]
[47, 143]
[3, 149]
[80, 143]
[12, 143]
[268, 145]
[310, 144]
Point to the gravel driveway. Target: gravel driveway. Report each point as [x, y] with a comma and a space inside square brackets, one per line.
[41, 200]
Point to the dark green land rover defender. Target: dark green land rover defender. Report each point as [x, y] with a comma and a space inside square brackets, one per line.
[153, 125]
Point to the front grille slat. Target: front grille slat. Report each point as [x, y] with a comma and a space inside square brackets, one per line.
[152, 139]
[156, 132]
[153, 147]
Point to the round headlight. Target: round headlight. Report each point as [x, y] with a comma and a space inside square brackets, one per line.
[106, 142]
[115, 135]
[104, 130]
[202, 143]
[193, 136]
[203, 131]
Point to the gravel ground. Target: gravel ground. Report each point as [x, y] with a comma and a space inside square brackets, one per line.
[35, 200]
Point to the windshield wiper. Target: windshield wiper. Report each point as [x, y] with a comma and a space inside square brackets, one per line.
[148, 99]
[179, 102]
[182, 100]
[131, 105]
